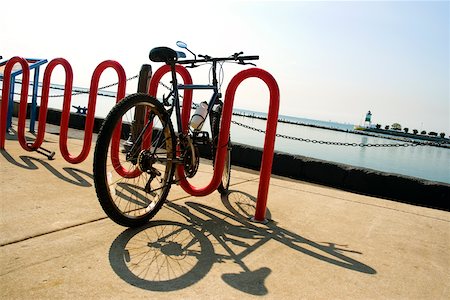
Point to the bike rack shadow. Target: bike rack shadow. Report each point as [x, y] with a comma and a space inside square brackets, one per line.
[170, 255]
[29, 164]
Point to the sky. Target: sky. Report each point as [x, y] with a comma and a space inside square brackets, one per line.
[332, 60]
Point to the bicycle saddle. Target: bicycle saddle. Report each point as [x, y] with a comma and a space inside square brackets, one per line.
[163, 54]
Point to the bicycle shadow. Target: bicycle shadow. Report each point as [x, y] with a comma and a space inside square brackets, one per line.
[169, 255]
[29, 163]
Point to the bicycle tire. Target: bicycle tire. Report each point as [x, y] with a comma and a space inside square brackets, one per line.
[129, 194]
[226, 175]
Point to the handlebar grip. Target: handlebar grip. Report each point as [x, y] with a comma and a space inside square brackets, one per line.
[251, 57]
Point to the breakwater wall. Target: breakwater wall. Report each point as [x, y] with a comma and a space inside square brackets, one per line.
[355, 179]
[409, 135]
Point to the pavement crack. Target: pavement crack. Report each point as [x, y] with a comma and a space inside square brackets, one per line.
[51, 231]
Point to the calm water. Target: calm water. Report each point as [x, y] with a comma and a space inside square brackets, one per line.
[426, 162]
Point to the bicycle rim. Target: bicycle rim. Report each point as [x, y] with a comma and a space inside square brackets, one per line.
[133, 160]
[226, 175]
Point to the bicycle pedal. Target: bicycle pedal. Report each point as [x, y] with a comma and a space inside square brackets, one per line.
[201, 137]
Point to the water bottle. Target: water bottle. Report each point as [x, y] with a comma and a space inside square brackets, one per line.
[199, 116]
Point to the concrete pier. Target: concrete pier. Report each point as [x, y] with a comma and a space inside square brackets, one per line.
[320, 242]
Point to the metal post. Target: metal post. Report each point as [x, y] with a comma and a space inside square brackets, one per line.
[11, 103]
[138, 123]
[34, 99]
[144, 78]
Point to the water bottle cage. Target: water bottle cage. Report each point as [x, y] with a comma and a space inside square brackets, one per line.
[198, 125]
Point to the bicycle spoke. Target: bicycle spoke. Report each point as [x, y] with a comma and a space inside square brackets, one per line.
[138, 171]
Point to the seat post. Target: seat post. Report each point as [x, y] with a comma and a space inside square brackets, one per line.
[176, 95]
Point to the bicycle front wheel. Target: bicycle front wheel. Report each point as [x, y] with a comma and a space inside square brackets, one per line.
[133, 177]
[226, 175]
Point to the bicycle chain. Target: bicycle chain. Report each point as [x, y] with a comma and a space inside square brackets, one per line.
[411, 144]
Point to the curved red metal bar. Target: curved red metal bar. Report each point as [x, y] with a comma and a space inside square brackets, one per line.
[23, 101]
[269, 142]
[44, 102]
[89, 126]
[187, 97]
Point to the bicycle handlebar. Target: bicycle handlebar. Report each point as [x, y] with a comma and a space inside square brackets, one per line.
[206, 58]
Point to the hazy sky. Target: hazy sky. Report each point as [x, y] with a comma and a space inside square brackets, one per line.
[333, 60]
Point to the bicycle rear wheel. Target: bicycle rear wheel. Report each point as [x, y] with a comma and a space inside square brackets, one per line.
[226, 175]
[132, 178]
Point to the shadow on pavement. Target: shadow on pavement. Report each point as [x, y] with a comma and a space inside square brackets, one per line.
[29, 163]
[167, 255]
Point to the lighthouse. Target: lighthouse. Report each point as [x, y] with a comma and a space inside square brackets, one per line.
[368, 119]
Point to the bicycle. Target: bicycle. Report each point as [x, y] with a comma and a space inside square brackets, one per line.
[133, 177]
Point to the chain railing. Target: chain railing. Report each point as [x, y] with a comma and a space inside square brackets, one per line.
[80, 92]
[407, 144]
[306, 140]
[386, 145]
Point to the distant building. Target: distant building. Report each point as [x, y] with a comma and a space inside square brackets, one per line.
[368, 120]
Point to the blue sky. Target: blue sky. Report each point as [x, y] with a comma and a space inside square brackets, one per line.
[333, 60]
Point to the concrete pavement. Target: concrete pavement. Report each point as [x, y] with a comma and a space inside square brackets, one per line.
[320, 243]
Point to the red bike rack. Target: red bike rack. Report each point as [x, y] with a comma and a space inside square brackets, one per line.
[89, 126]
[23, 99]
[44, 101]
[64, 124]
[271, 130]
[269, 142]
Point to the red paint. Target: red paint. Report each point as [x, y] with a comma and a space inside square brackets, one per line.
[271, 129]
[89, 125]
[66, 105]
[269, 143]
[64, 123]
[23, 101]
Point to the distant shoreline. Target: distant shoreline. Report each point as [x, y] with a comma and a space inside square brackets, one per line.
[436, 139]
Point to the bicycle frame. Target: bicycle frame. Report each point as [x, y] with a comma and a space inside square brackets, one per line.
[176, 87]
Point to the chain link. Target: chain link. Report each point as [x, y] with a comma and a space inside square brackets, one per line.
[411, 144]
[170, 89]
[81, 92]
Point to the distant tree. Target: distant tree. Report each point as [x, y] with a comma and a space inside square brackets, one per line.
[423, 132]
[415, 131]
[406, 129]
[378, 126]
[442, 134]
[432, 133]
[386, 127]
[396, 126]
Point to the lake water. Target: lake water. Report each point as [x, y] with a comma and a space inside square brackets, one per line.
[427, 162]
[432, 163]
